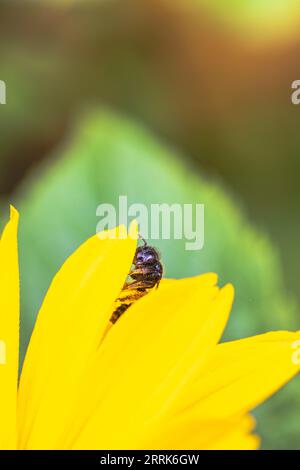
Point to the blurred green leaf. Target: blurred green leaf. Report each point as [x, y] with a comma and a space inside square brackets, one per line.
[109, 156]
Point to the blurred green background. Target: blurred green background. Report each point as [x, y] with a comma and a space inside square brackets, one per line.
[164, 101]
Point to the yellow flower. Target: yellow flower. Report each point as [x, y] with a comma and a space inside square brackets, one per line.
[158, 379]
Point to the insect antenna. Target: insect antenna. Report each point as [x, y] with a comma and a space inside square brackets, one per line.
[143, 239]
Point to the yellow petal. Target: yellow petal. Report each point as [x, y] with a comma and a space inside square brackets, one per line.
[243, 373]
[148, 358]
[9, 331]
[70, 324]
[179, 433]
[239, 437]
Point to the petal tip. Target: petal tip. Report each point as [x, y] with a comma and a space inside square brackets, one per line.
[133, 230]
[228, 292]
[213, 277]
[14, 214]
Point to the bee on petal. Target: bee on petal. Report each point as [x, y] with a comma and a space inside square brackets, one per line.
[145, 274]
